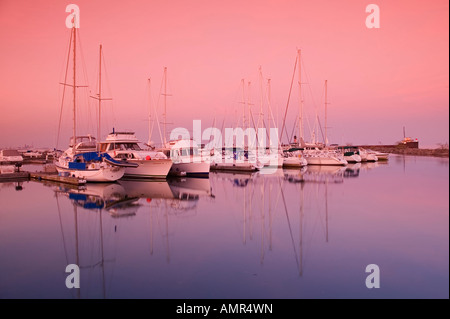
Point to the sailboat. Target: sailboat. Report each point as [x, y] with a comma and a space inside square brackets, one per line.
[82, 159]
[315, 153]
[234, 157]
[184, 153]
[294, 158]
[351, 154]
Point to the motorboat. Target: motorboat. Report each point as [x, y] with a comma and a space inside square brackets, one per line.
[125, 146]
[186, 158]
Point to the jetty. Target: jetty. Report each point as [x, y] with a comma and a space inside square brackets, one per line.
[40, 176]
[405, 150]
[14, 177]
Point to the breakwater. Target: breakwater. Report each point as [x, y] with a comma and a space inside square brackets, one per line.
[403, 150]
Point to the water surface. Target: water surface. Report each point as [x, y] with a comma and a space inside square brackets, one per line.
[294, 234]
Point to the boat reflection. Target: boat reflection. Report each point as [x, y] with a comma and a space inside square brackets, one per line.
[125, 197]
[316, 174]
[352, 170]
[237, 179]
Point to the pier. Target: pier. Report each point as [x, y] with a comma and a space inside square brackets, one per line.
[57, 178]
[15, 176]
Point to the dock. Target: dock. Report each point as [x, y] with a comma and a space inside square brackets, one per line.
[14, 177]
[56, 178]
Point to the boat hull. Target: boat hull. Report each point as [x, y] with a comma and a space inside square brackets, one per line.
[320, 160]
[355, 158]
[198, 169]
[105, 174]
[242, 167]
[369, 158]
[149, 169]
[294, 162]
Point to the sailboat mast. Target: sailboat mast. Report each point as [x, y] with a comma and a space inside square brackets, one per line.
[165, 103]
[300, 113]
[269, 106]
[99, 96]
[244, 104]
[74, 132]
[326, 117]
[99, 92]
[248, 104]
[150, 111]
[261, 114]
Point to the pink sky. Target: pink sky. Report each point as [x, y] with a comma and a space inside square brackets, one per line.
[379, 80]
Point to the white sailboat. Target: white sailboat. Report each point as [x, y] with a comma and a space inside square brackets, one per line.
[81, 159]
[314, 153]
[351, 154]
[367, 156]
[380, 155]
[235, 159]
[294, 158]
[316, 156]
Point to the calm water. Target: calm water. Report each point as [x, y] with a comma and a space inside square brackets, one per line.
[293, 234]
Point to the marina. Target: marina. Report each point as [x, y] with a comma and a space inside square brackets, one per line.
[290, 234]
[192, 152]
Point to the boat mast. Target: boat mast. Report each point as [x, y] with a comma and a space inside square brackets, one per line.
[74, 132]
[150, 111]
[269, 107]
[99, 91]
[99, 94]
[326, 103]
[261, 113]
[244, 105]
[300, 115]
[165, 103]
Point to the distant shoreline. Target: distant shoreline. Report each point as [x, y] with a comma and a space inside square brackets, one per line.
[437, 152]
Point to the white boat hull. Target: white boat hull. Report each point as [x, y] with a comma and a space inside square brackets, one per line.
[325, 160]
[103, 174]
[190, 169]
[272, 160]
[294, 162]
[158, 168]
[243, 167]
[369, 158]
[355, 158]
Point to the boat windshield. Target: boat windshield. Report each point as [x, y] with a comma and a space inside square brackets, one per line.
[186, 151]
[125, 146]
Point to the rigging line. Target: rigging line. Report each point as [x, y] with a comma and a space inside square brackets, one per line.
[321, 131]
[64, 91]
[293, 129]
[289, 224]
[151, 123]
[88, 101]
[109, 87]
[289, 97]
[253, 121]
[156, 112]
[320, 125]
[312, 98]
[62, 232]
[269, 106]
